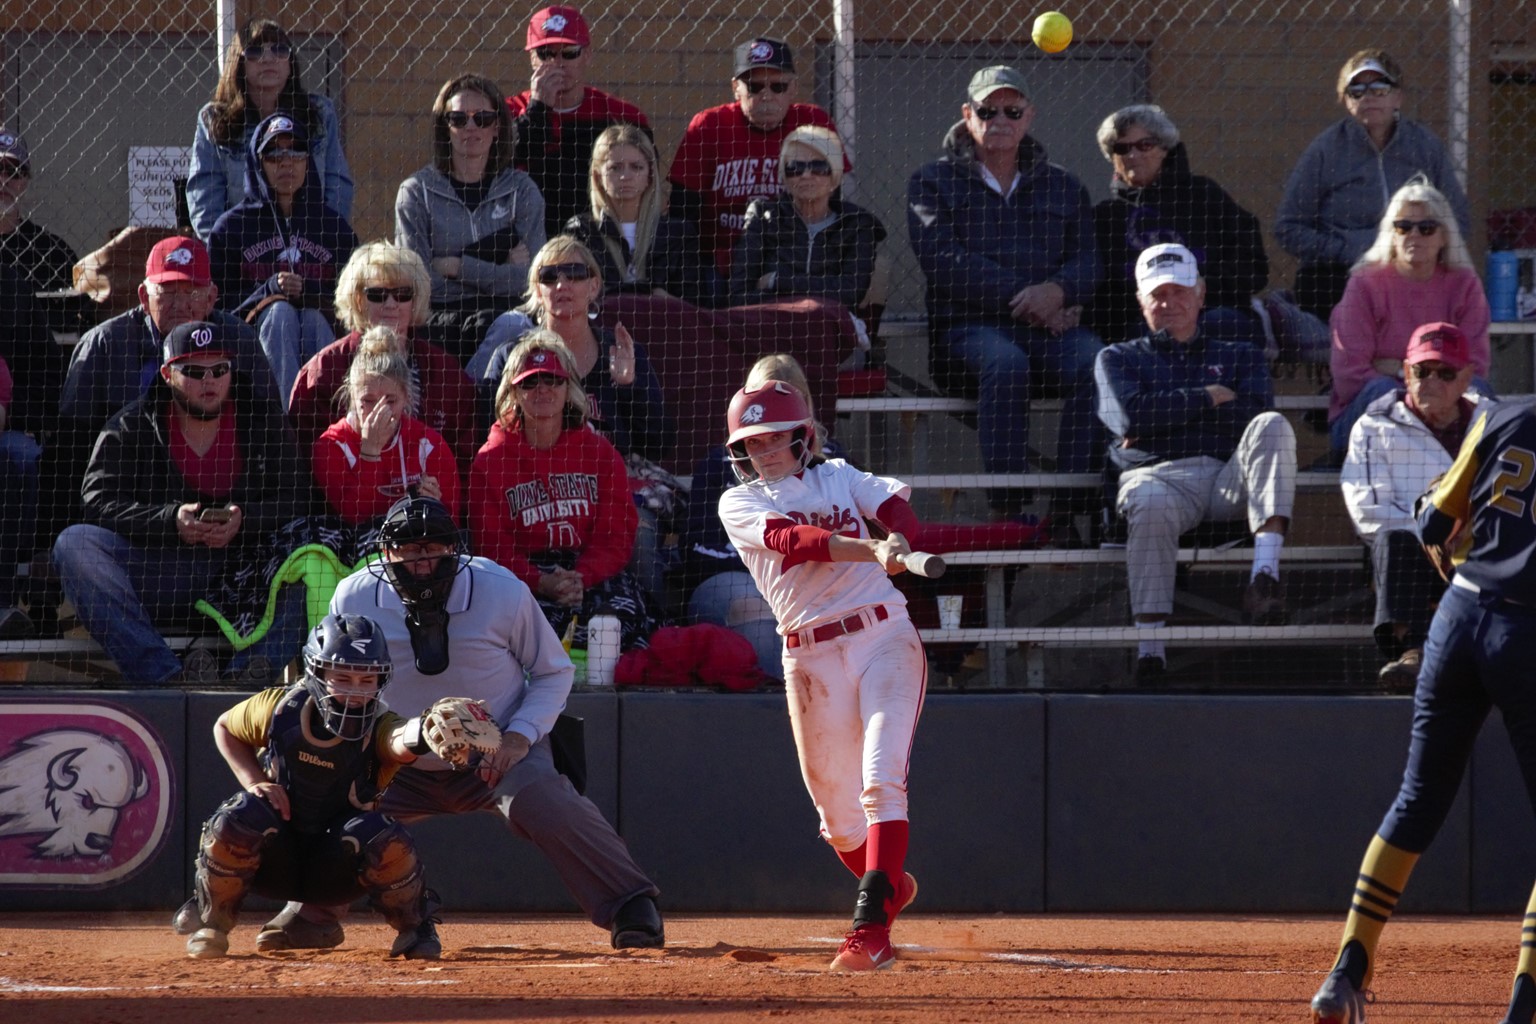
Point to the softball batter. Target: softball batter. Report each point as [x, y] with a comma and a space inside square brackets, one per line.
[854, 670]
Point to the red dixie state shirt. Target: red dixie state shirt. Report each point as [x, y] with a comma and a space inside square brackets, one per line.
[729, 163]
[574, 496]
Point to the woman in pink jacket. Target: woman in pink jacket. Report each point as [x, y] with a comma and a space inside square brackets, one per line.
[1418, 271]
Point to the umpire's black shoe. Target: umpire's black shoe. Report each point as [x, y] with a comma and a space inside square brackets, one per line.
[638, 925]
[1150, 670]
[290, 931]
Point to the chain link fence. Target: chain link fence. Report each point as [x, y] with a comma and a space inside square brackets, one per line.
[106, 98]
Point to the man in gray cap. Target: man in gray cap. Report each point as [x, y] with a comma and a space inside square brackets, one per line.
[41, 256]
[1006, 241]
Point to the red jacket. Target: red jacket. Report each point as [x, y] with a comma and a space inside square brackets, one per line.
[358, 490]
[447, 393]
[572, 497]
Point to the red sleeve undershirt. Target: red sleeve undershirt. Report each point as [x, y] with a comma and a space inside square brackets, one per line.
[813, 544]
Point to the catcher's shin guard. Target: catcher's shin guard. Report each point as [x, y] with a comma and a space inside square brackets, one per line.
[393, 875]
[228, 857]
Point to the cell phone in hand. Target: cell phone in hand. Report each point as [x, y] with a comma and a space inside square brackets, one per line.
[214, 514]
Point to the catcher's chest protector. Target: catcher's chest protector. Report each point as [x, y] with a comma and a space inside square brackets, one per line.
[324, 776]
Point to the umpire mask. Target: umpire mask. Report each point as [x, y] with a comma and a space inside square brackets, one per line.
[422, 548]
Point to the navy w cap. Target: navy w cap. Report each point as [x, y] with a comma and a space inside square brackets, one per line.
[199, 338]
[275, 126]
[14, 148]
[763, 52]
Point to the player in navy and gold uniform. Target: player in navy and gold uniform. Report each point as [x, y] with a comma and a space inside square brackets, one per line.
[1481, 646]
[312, 761]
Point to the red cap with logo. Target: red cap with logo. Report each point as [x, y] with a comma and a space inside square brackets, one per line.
[1438, 342]
[541, 361]
[558, 25]
[178, 259]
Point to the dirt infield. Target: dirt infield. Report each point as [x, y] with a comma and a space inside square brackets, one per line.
[120, 968]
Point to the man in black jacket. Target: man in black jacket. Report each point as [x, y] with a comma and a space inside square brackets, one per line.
[181, 481]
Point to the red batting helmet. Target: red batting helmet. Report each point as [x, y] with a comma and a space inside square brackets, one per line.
[769, 408]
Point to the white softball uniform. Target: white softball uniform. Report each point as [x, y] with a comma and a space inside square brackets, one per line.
[854, 670]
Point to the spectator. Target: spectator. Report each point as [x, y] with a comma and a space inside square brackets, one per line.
[1194, 441]
[559, 116]
[472, 217]
[1403, 442]
[549, 498]
[624, 396]
[386, 285]
[1155, 198]
[277, 254]
[379, 451]
[261, 76]
[1416, 272]
[805, 241]
[19, 456]
[728, 154]
[1006, 241]
[639, 248]
[1335, 195]
[181, 480]
[45, 259]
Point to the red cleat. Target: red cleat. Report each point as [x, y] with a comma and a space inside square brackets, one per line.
[865, 949]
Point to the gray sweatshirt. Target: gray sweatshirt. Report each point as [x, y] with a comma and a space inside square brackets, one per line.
[432, 220]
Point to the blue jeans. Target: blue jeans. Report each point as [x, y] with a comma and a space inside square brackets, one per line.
[289, 337]
[123, 591]
[729, 599]
[1338, 430]
[1007, 361]
[19, 456]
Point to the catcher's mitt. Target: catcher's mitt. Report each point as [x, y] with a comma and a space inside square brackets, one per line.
[456, 726]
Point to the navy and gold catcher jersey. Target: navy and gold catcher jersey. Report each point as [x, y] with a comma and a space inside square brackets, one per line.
[1492, 485]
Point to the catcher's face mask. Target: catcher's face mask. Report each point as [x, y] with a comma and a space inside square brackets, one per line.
[348, 700]
[346, 665]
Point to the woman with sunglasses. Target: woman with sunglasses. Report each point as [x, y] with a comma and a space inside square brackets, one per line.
[805, 242]
[379, 451]
[1335, 195]
[625, 400]
[639, 248]
[386, 285]
[472, 217]
[1417, 271]
[550, 500]
[1156, 198]
[260, 77]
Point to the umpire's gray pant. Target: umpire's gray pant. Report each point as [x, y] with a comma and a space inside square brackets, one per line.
[1163, 501]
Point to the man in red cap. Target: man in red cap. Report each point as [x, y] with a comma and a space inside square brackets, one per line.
[560, 116]
[1404, 441]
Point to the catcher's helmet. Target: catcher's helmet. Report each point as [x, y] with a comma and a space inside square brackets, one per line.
[769, 408]
[352, 643]
[418, 520]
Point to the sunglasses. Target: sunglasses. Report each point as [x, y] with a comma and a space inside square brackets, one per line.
[1423, 227]
[257, 51]
[378, 294]
[988, 113]
[556, 51]
[795, 168]
[1445, 373]
[1360, 90]
[198, 372]
[1140, 146]
[10, 170]
[277, 156]
[779, 88]
[540, 380]
[552, 272]
[461, 118]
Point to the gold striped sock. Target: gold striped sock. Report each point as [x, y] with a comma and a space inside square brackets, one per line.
[1383, 875]
[1527, 963]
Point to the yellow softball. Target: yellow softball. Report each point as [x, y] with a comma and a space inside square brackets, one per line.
[1053, 32]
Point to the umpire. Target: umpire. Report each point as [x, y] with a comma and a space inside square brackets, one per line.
[1481, 645]
[466, 626]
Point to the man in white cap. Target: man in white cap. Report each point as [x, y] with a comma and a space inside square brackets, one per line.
[1195, 439]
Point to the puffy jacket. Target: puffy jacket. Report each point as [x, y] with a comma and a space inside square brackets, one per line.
[1392, 459]
[1183, 207]
[133, 488]
[1151, 395]
[978, 249]
[837, 264]
[216, 177]
[675, 265]
[252, 243]
[431, 220]
[1339, 189]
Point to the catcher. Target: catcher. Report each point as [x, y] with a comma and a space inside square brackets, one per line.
[312, 761]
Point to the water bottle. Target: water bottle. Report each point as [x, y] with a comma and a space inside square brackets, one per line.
[603, 633]
[1503, 285]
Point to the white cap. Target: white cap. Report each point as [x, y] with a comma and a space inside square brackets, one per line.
[1370, 64]
[1169, 263]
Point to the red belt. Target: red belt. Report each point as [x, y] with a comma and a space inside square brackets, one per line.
[833, 630]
